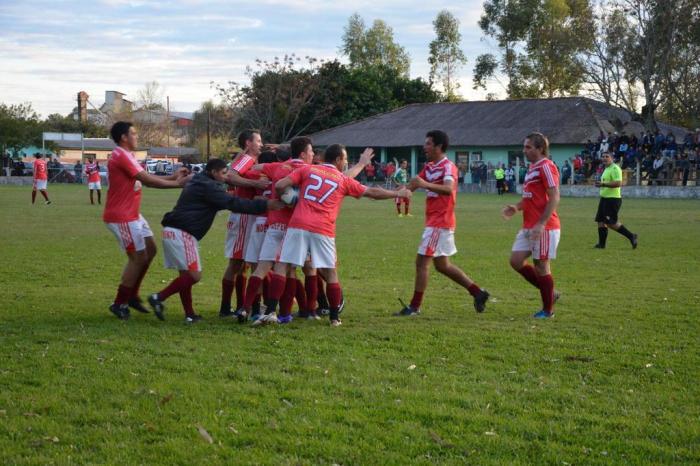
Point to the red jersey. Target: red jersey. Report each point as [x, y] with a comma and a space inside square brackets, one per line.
[541, 175]
[322, 189]
[124, 193]
[440, 208]
[242, 164]
[92, 170]
[40, 172]
[276, 171]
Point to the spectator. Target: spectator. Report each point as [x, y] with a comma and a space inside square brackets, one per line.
[565, 173]
[522, 171]
[578, 162]
[656, 168]
[500, 174]
[683, 168]
[510, 178]
[78, 170]
[659, 140]
[370, 170]
[483, 174]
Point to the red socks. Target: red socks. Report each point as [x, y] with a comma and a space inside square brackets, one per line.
[546, 283]
[416, 300]
[335, 295]
[530, 275]
[406, 203]
[240, 290]
[123, 295]
[474, 289]
[226, 292]
[251, 292]
[301, 296]
[186, 300]
[311, 286]
[276, 289]
[182, 282]
[287, 298]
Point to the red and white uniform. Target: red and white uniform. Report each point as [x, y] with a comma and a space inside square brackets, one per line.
[311, 229]
[541, 176]
[180, 250]
[92, 171]
[277, 220]
[122, 209]
[40, 174]
[439, 234]
[239, 224]
[256, 235]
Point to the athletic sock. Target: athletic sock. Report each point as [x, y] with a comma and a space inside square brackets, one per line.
[301, 296]
[602, 236]
[33, 196]
[183, 281]
[186, 300]
[251, 292]
[240, 289]
[287, 299]
[226, 292]
[99, 197]
[321, 297]
[398, 207]
[123, 295]
[311, 287]
[335, 296]
[474, 289]
[266, 286]
[625, 232]
[91, 201]
[530, 275]
[277, 286]
[416, 300]
[406, 203]
[546, 291]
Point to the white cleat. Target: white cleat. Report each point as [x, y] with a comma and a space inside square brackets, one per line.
[266, 319]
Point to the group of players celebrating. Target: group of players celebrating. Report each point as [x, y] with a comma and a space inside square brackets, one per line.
[284, 205]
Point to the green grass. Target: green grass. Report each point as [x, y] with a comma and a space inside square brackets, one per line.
[613, 379]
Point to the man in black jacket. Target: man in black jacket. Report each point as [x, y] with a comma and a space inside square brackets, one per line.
[188, 222]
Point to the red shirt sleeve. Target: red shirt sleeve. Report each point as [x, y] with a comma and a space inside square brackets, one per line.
[298, 175]
[549, 175]
[243, 164]
[129, 165]
[269, 170]
[354, 188]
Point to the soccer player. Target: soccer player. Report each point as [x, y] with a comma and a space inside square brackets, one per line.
[239, 225]
[311, 229]
[123, 218]
[92, 171]
[539, 236]
[401, 179]
[40, 178]
[187, 224]
[439, 179]
[610, 203]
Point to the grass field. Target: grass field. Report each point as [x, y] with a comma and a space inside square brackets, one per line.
[612, 379]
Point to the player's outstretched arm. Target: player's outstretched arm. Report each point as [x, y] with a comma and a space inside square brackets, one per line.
[381, 193]
[235, 179]
[365, 159]
[420, 183]
[153, 181]
[283, 184]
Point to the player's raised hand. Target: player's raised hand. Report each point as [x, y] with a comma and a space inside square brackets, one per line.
[366, 156]
[508, 211]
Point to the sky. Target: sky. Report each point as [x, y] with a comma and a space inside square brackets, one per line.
[52, 49]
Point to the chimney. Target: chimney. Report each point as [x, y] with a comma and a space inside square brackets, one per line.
[82, 106]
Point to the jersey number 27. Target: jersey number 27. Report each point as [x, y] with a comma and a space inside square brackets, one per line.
[320, 189]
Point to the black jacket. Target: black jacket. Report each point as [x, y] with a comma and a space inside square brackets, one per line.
[200, 200]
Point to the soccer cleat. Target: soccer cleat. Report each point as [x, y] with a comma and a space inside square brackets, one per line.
[407, 311]
[401, 215]
[302, 314]
[137, 304]
[121, 311]
[543, 314]
[255, 317]
[266, 320]
[241, 315]
[226, 312]
[480, 300]
[336, 323]
[193, 319]
[48, 202]
[157, 305]
[285, 319]
[598, 246]
[634, 241]
[313, 316]
[408, 215]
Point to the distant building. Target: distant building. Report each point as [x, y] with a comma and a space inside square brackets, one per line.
[98, 148]
[488, 131]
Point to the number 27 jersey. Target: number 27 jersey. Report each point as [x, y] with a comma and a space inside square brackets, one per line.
[322, 189]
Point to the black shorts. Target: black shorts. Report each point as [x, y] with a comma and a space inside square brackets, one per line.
[608, 207]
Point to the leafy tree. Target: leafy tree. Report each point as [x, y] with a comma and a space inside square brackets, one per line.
[446, 56]
[19, 126]
[374, 46]
[58, 123]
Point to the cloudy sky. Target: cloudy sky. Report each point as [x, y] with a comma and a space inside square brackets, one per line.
[51, 49]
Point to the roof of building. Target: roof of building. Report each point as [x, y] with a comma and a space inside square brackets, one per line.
[565, 120]
[88, 144]
[172, 151]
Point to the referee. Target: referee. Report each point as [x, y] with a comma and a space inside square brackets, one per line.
[610, 203]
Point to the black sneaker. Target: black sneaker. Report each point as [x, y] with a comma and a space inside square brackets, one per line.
[224, 313]
[193, 319]
[407, 311]
[634, 241]
[122, 311]
[137, 304]
[480, 300]
[598, 246]
[157, 305]
[241, 315]
[48, 203]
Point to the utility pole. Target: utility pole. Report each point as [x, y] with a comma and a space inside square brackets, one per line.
[167, 119]
[208, 134]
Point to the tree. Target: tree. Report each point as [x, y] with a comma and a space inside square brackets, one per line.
[19, 126]
[373, 46]
[150, 97]
[221, 124]
[446, 56]
[541, 43]
[58, 123]
[150, 117]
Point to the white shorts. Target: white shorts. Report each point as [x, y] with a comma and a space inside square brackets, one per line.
[40, 185]
[298, 244]
[255, 240]
[272, 243]
[437, 242]
[131, 235]
[545, 248]
[180, 250]
[94, 185]
[237, 235]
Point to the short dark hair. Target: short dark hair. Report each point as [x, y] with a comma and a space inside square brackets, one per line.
[246, 135]
[38, 155]
[214, 165]
[119, 129]
[439, 139]
[282, 153]
[333, 152]
[298, 145]
[267, 156]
